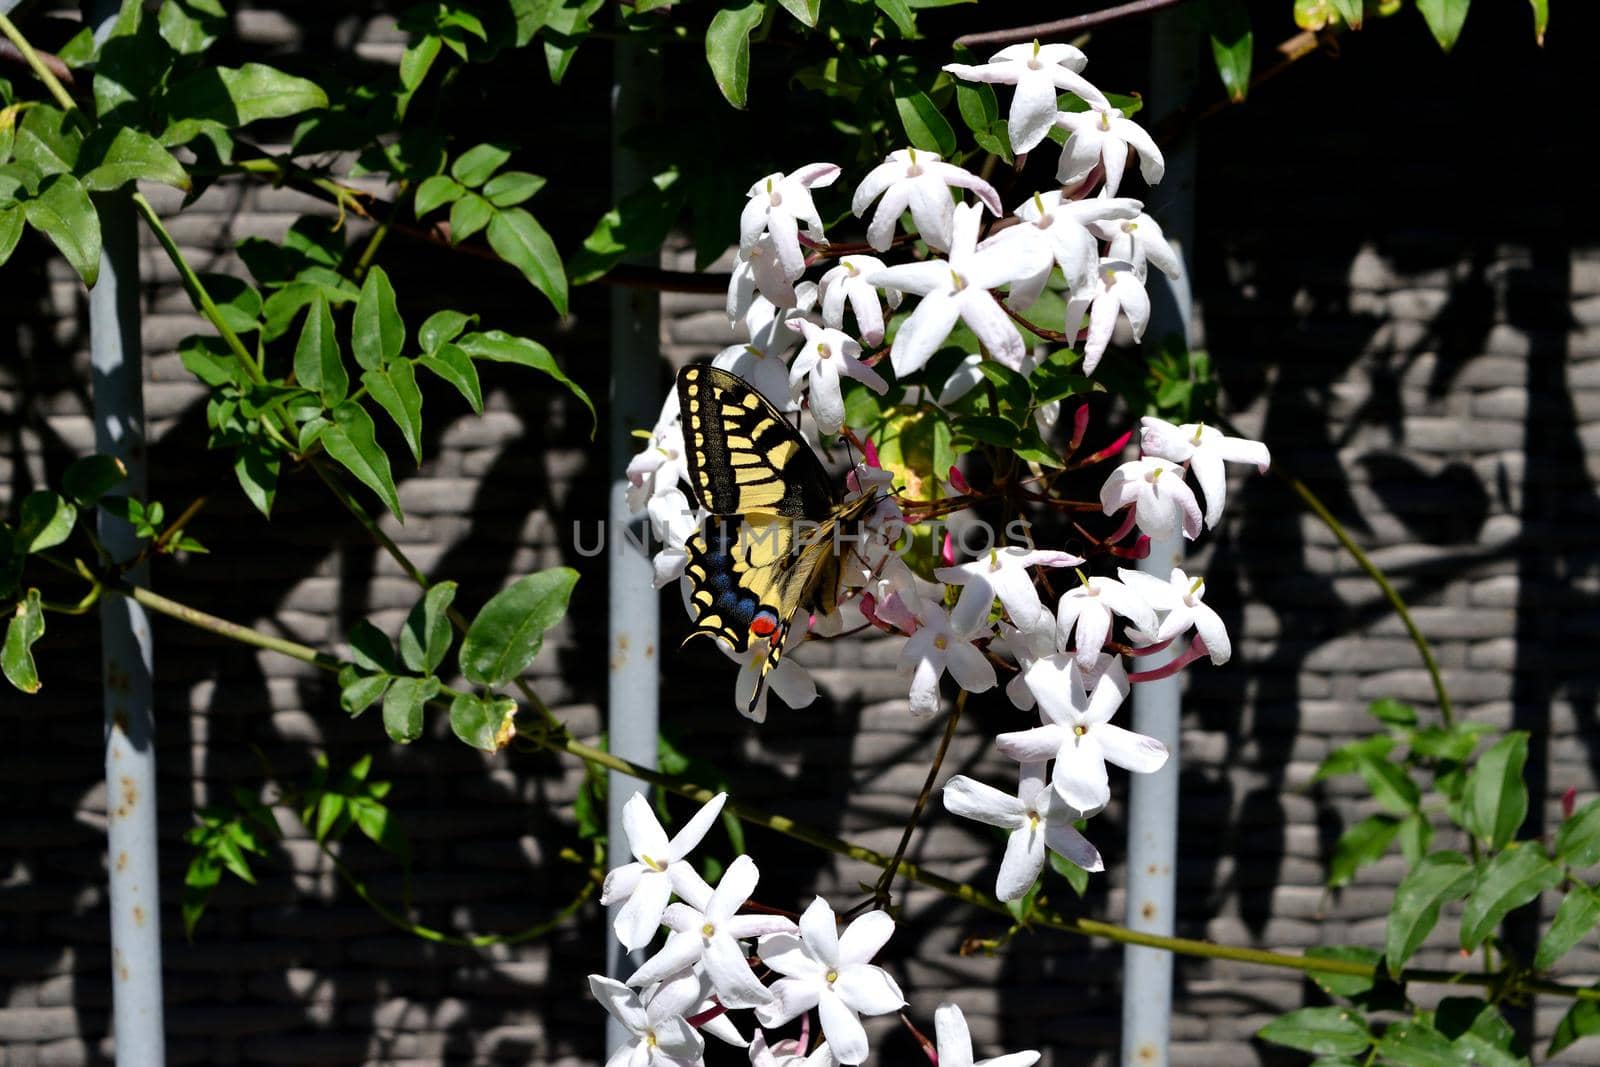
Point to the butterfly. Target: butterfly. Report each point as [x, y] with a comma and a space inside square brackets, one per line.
[750, 468]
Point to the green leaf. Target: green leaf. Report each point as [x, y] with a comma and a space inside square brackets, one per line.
[1453, 744]
[425, 638]
[1343, 985]
[316, 357]
[1509, 880]
[358, 692]
[22, 632]
[500, 347]
[468, 215]
[1360, 845]
[636, 226]
[44, 521]
[11, 222]
[256, 467]
[238, 302]
[377, 333]
[485, 724]
[1390, 785]
[402, 706]
[371, 648]
[1497, 797]
[1441, 877]
[1578, 838]
[1444, 18]
[1541, 19]
[1351, 11]
[990, 429]
[512, 188]
[1416, 834]
[441, 328]
[133, 155]
[192, 26]
[510, 629]
[566, 25]
[1577, 915]
[48, 140]
[417, 60]
[473, 167]
[435, 192]
[1232, 45]
[517, 238]
[86, 480]
[395, 390]
[352, 441]
[1581, 1020]
[899, 12]
[803, 10]
[455, 367]
[1416, 1044]
[1392, 712]
[212, 361]
[237, 97]
[62, 212]
[1324, 1031]
[728, 48]
[1076, 876]
[926, 128]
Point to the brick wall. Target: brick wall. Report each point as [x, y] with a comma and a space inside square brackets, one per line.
[1413, 336]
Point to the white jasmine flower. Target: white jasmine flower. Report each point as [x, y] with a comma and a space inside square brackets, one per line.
[788, 1053]
[661, 1035]
[1039, 72]
[763, 360]
[1024, 646]
[826, 355]
[1037, 819]
[1003, 574]
[1087, 610]
[693, 986]
[659, 869]
[658, 469]
[710, 936]
[1139, 241]
[955, 1043]
[920, 181]
[761, 270]
[790, 680]
[777, 205]
[1065, 226]
[1204, 449]
[1102, 136]
[1162, 501]
[1077, 705]
[957, 288]
[1114, 289]
[1181, 599]
[944, 643]
[847, 282]
[831, 972]
[674, 520]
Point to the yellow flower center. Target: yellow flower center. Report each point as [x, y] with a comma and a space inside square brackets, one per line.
[941, 642]
[709, 930]
[957, 282]
[653, 863]
[831, 977]
[850, 269]
[825, 350]
[1105, 120]
[1080, 730]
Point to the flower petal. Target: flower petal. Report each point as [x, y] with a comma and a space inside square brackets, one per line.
[869, 990]
[1130, 751]
[697, 827]
[1066, 841]
[953, 1038]
[864, 937]
[620, 882]
[790, 997]
[846, 1036]
[789, 955]
[820, 931]
[1032, 746]
[1079, 775]
[646, 839]
[1023, 861]
[972, 799]
[736, 984]
[619, 1001]
[681, 951]
[638, 919]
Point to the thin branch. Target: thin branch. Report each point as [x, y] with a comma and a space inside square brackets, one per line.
[1066, 26]
[36, 62]
[883, 890]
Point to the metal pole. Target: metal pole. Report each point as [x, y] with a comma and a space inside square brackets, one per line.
[1157, 710]
[135, 890]
[634, 619]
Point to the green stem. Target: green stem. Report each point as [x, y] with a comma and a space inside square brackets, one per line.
[882, 891]
[35, 64]
[196, 289]
[428, 933]
[1446, 708]
[559, 741]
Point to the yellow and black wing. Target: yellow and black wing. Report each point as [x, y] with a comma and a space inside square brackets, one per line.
[772, 544]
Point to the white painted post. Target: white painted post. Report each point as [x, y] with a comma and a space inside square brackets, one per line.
[634, 619]
[1157, 708]
[130, 755]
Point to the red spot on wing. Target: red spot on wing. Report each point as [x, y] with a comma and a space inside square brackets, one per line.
[765, 624]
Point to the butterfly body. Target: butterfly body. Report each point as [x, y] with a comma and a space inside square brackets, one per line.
[773, 543]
